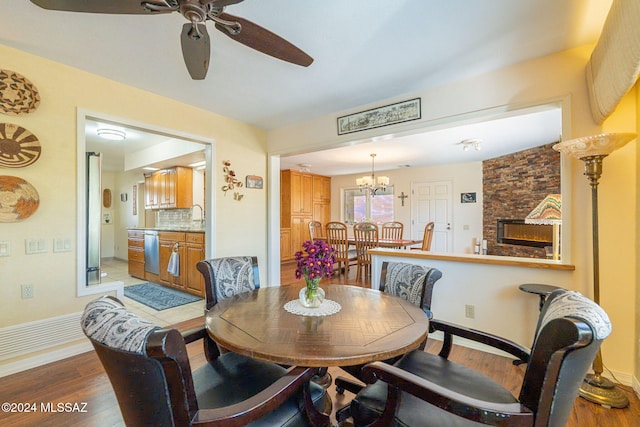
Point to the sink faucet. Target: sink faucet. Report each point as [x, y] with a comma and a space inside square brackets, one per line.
[201, 211]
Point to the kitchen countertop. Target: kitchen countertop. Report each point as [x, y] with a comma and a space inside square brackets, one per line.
[171, 228]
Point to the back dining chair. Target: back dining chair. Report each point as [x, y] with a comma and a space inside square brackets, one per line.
[336, 233]
[226, 277]
[393, 230]
[366, 237]
[427, 237]
[151, 375]
[411, 282]
[315, 230]
[427, 389]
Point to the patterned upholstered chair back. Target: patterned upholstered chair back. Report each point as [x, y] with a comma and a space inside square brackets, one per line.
[555, 372]
[140, 382]
[412, 282]
[226, 277]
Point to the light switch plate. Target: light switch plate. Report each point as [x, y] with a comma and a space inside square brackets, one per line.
[5, 248]
[61, 244]
[35, 246]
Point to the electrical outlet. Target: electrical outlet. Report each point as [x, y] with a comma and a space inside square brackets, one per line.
[27, 291]
[470, 311]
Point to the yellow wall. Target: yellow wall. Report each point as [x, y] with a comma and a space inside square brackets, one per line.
[561, 75]
[240, 225]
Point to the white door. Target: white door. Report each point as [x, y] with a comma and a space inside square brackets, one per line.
[433, 201]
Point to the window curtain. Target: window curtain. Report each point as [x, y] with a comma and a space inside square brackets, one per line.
[614, 65]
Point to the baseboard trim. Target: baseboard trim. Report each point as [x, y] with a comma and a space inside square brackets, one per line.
[621, 377]
[635, 384]
[44, 358]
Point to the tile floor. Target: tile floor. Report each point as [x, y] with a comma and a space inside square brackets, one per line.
[117, 269]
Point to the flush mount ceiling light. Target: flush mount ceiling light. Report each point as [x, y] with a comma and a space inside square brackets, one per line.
[304, 167]
[112, 134]
[468, 143]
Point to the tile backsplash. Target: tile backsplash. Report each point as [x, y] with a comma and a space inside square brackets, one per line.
[174, 218]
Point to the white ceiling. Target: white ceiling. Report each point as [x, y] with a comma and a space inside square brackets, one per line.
[364, 50]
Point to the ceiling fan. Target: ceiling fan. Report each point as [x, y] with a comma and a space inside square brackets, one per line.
[196, 46]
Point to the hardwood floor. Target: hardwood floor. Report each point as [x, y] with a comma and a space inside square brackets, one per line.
[81, 380]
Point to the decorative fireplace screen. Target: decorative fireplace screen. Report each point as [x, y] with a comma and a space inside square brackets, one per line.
[516, 232]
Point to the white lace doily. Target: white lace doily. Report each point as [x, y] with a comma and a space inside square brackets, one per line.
[327, 308]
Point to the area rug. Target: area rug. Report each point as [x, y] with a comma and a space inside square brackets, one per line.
[158, 297]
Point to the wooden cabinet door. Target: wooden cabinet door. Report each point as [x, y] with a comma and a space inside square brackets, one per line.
[285, 244]
[299, 232]
[307, 194]
[296, 191]
[150, 192]
[194, 282]
[166, 249]
[167, 180]
[322, 212]
[321, 188]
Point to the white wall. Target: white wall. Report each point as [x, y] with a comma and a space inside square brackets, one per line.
[466, 177]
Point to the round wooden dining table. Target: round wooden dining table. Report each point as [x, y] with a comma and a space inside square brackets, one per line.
[370, 325]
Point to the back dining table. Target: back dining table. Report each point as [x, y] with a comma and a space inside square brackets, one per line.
[370, 325]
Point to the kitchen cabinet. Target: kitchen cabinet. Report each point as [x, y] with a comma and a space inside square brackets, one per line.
[194, 253]
[191, 250]
[168, 243]
[285, 243]
[304, 197]
[135, 253]
[170, 188]
[299, 232]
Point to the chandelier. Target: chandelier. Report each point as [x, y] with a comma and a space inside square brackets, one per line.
[369, 182]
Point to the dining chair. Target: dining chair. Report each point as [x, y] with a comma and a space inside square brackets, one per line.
[228, 276]
[366, 237]
[224, 278]
[151, 375]
[427, 237]
[315, 230]
[429, 390]
[337, 238]
[393, 230]
[411, 282]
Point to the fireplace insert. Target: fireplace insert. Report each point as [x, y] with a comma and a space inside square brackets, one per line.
[516, 232]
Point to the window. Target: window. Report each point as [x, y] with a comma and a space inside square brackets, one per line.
[360, 206]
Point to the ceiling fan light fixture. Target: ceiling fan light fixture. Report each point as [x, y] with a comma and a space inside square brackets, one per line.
[112, 134]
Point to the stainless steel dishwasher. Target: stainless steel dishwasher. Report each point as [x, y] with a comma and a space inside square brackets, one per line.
[151, 252]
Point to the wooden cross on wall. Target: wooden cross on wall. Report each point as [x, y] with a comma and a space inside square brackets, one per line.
[402, 196]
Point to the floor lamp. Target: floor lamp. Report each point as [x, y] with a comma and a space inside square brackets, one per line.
[591, 150]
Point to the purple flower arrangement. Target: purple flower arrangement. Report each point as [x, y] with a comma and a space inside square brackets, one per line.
[315, 261]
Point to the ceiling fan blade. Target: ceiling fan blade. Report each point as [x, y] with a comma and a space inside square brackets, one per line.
[222, 3]
[95, 6]
[196, 50]
[263, 40]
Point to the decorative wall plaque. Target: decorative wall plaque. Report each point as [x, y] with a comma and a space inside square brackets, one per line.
[18, 146]
[17, 94]
[18, 199]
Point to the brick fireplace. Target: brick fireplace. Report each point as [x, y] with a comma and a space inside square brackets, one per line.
[512, 186]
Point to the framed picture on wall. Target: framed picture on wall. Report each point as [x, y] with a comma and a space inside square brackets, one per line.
[467, 197]
[254, 181]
